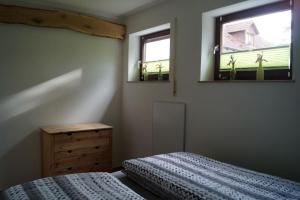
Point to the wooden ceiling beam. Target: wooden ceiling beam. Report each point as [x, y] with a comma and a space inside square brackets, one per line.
[61, 19]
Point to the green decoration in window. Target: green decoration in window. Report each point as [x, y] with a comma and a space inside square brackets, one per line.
[232, 67]
[145, 72]
[160, 77]
[260, 70]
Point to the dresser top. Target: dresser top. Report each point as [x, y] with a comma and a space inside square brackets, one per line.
[74, 128]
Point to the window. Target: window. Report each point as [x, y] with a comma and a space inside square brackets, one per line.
[249, 39]
[255, 44]
[155, 56]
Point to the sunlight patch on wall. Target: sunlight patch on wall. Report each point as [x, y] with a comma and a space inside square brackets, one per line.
[94, 105]
[43, 93]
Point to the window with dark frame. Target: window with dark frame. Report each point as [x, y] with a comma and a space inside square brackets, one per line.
[255, 44]
[155, 56]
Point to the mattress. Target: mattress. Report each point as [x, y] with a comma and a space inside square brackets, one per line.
[190, 176]
[147, 194]
[98, 186]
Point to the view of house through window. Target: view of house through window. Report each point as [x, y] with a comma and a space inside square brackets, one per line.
[155, 56]
[258, 45]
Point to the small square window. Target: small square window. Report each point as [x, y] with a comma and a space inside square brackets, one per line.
[155, 56]
[255, 44]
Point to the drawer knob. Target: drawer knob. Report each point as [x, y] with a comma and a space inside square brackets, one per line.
[97, 147]
[96, 163]
[69, 134]
[70, 151]
[70, 168]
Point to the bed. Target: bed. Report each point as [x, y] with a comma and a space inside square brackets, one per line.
[98, 186]
[179, 175]
[190, 176]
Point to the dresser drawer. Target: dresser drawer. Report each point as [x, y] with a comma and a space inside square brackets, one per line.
[80, 141]
[82, 152]
[72, 137]
[95, 167]
[83, 161]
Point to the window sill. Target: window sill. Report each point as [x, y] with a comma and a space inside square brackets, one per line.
[249, 81]
[166, 81]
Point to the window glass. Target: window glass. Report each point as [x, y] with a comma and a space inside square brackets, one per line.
[267, 35]
[157, 50]
[155, 56]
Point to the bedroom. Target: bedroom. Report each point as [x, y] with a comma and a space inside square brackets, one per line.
[53, 76]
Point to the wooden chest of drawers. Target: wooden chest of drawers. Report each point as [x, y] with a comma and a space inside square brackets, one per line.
[76, 148]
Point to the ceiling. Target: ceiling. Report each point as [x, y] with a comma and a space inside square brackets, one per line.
[111, 9]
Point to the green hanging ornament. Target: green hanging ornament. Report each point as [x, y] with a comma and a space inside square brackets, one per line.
[260, 75]
[232, 67]
[145, 72]
[160, 77]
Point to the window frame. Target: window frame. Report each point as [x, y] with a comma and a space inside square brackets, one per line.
[152, 37]
[253, 12]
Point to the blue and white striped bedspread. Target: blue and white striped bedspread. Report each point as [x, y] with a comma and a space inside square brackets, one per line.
[191, 176]
[93, 186]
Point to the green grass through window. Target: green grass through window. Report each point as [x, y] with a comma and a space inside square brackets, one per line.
[278, 57]
[152, 67]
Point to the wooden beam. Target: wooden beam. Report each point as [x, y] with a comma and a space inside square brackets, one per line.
[61, 19]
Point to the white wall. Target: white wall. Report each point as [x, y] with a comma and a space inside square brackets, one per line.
[254, 125]
[49, 77]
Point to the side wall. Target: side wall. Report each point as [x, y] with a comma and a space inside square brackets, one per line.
[253, 125]
[50, 77]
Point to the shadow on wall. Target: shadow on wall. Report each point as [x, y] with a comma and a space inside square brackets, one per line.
[57, 101]
[112, 117]
[17, 142]
[21, 161]
[33, 97]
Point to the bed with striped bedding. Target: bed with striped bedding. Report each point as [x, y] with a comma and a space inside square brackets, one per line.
[190, 176]
[93, 186]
